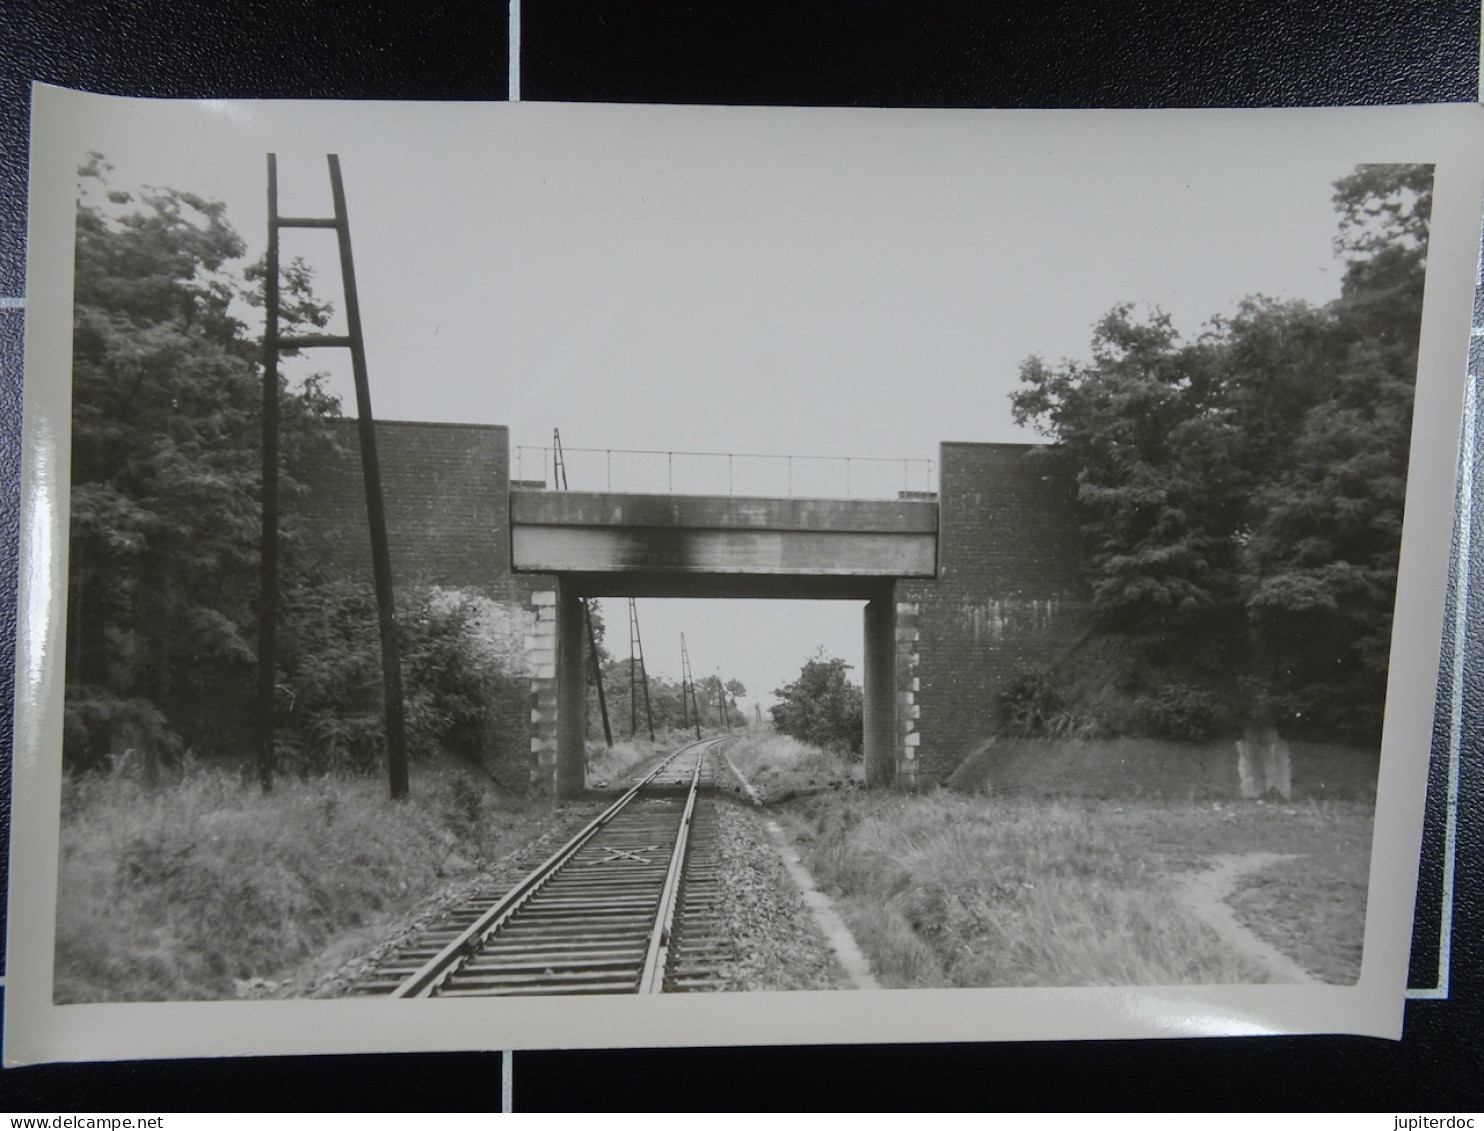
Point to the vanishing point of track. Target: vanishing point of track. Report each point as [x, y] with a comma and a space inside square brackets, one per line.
[626, 906]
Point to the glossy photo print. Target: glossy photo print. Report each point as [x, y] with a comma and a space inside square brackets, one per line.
[542, 575]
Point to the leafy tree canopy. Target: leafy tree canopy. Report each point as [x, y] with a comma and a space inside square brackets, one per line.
[165, 467]
[1242, 492]
[823, 706]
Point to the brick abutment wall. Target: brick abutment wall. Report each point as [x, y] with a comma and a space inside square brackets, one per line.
[446, 489]
[1011, 594]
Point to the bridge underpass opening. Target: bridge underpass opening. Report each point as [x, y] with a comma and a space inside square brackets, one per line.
[763, 644]
[597, 545]
[721, 634]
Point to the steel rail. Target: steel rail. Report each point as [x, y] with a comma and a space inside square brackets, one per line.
[427, 978]
[652, 981]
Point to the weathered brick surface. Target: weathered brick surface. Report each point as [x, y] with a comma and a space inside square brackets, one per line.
[1011, 592]
[446, 488]
[446, 491]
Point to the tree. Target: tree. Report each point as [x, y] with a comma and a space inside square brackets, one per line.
[1325, 547]
[165, 472]
[666, 702]
[166, 514]
[822, 707]
[1242, 494]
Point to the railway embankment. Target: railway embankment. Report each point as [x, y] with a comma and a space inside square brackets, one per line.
[204, 887]
[946, 889]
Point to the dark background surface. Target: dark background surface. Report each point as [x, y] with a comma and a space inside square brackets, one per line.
[830, 52]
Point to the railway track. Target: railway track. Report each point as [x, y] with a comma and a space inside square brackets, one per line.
[628, 905]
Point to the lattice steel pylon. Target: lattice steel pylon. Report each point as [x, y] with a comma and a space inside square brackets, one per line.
[636, 667]
[354, 340]
[689, 708]
[559, 479]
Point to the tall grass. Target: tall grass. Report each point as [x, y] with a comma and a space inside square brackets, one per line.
[779, 766]
[944, 890]
[618, 765]
[173, 893]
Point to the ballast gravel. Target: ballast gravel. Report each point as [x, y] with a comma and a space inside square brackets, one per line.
[779, 945]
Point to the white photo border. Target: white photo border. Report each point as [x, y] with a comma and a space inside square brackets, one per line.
[64, 125]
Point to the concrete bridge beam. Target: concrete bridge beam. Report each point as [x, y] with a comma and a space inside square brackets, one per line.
[722, 536]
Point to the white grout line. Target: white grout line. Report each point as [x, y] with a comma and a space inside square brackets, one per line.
[514, 57]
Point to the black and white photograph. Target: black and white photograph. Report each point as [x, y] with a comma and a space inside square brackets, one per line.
[677, 575]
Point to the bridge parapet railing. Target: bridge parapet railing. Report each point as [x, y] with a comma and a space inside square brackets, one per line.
[724, 473]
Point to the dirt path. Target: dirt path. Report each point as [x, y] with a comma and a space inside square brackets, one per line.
[831, 927]
[1206, 894]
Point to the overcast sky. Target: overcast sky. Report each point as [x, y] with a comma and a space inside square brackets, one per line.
[814, 282]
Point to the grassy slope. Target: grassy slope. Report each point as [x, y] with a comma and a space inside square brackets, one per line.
[779, 767]
[178, 892]
[946, 890]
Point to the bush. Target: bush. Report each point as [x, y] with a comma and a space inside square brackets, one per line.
[460, 653]
[1035, 705]
[101, 727]
[1029, 703]
[1183, 713]
[1118, 687]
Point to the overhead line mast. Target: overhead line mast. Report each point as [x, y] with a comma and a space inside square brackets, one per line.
[636, 660]
[689, 708]
[381, 563]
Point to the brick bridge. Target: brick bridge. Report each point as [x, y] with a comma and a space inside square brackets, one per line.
[961, 593]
